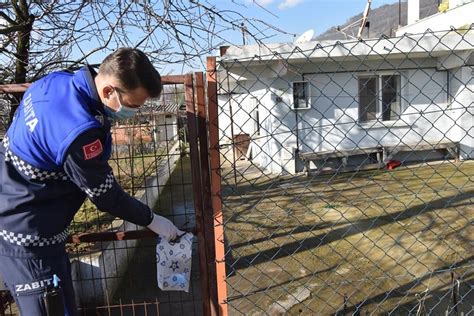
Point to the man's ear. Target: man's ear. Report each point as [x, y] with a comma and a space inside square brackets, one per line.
[107, 91]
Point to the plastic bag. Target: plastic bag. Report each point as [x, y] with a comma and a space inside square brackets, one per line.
[173, 263]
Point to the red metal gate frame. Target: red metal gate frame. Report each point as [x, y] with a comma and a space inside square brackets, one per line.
[206, 186]
[215, 186]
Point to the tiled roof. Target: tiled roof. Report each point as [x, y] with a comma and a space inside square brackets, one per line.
[162, 107]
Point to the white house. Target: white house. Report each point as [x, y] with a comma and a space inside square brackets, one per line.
[164, 119]
[156, 123]
[357, 100]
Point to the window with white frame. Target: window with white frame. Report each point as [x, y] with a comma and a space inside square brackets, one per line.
[379, 97]
[301, 95]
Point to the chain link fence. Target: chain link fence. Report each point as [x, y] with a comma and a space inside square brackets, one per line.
[322, 178]
[113, 262]
[347, 176]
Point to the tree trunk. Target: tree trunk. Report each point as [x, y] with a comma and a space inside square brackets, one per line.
[22, 54]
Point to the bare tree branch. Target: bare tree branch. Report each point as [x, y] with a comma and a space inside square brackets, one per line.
[64, 34]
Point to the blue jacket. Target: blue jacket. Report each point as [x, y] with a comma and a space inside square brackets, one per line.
[54, 155]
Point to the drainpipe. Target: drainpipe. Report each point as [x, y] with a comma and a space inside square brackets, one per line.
[297, 151]
[234, 160]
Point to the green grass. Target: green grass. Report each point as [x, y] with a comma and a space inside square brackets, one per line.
[355, 234]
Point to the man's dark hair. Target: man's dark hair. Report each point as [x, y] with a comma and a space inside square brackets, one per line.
[133, 69]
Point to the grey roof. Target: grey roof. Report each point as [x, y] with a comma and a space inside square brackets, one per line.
[162, 107]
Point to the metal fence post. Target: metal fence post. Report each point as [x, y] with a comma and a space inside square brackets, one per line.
[197, 191]
[214, 161]
[206, 190]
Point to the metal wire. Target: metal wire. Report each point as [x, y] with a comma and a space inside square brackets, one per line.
[323, 178]
[346, 176]
[114, 273]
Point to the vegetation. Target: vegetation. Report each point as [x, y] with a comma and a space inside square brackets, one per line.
[292, 235]
[383, 20]
[37, 36]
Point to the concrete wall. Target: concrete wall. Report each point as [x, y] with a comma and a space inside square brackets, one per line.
[97, 274]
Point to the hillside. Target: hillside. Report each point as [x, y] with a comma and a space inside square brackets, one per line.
[383, 20]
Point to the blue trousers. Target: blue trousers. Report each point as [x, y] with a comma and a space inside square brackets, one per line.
[28, 279]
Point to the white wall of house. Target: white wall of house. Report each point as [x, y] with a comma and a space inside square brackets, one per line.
[432, 111]
[332, 122]
[272, 133]
[268, 133]
[462, 109]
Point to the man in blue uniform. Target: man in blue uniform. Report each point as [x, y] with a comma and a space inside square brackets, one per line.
[54, 155]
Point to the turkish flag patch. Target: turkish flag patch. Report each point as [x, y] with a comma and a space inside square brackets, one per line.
[92, 150]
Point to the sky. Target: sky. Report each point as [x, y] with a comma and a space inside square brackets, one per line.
[297, 16]
[293, 17]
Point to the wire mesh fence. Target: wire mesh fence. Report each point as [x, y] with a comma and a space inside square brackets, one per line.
[113, 261]
[346, 174]
[322, 178]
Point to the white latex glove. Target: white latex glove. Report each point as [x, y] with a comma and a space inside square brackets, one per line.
[164, 227]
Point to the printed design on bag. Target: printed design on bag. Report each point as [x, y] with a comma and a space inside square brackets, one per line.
[174, 263]
[92, 150]
[32, 286]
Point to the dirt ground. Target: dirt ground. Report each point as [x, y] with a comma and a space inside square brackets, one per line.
[375, 242]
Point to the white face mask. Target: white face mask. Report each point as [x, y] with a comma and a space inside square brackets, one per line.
[123, 112]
